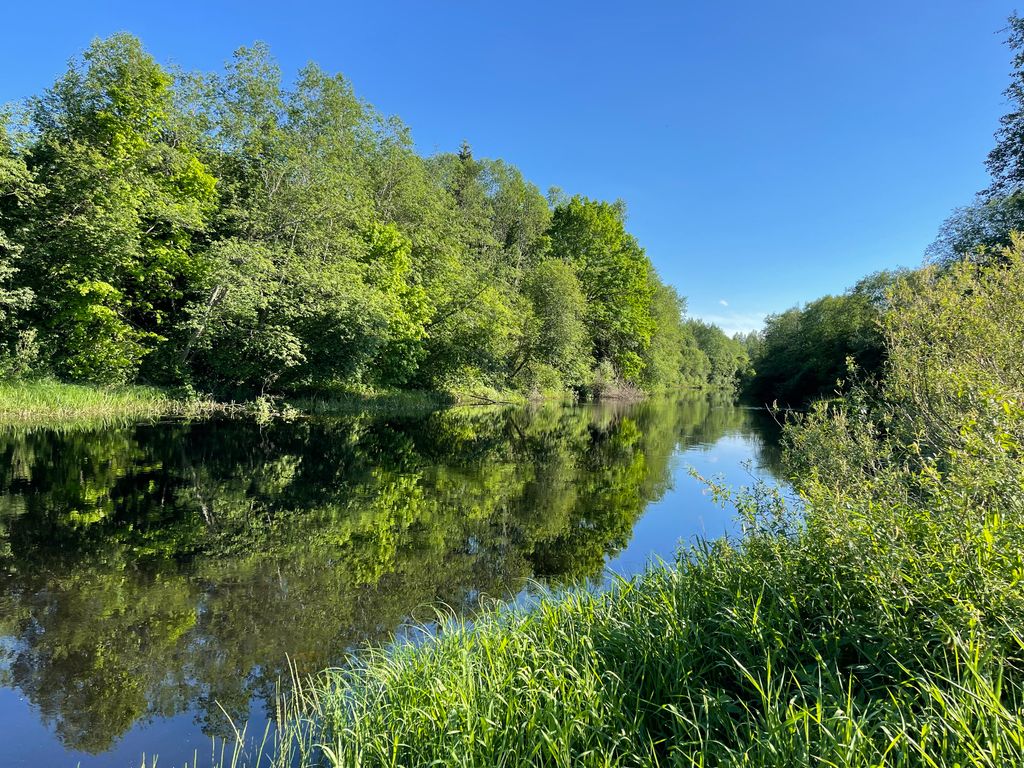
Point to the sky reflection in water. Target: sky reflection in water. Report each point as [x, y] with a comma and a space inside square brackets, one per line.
[152, 574]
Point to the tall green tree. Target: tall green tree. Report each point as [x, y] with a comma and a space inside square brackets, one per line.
[555, 351]
[1006, 160]
[666, 354]
[110, 242]
[982, 229]
[614, 272]
[17, 191]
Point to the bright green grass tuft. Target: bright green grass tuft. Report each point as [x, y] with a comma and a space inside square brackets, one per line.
[52, 403]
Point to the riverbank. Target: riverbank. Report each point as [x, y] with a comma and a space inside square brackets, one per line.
[48, 402]
[790, 647]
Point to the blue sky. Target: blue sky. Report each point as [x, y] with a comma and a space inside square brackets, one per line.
[768, 152]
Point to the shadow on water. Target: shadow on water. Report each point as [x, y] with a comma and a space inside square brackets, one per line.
[152, 574]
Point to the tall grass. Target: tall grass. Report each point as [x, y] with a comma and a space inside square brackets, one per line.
[51, 403]
[34, 402]
[781, 649]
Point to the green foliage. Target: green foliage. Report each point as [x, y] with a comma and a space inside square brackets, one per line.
[726, 358]
[805, 353]
[615, 274]
[17, 190]
[246, 238]
[981, 229]
[46, 401]
[978, 230]
[555, 339]
[108, 247]
[688, 353]
[1006, 160]
[879, 620]
[951, 386]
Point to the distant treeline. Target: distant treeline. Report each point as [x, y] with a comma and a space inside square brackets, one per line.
[230, 234]
[821, 348]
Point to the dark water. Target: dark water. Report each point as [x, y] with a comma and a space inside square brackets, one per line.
[156, 579]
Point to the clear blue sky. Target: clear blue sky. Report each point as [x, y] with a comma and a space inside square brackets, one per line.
[769, 152]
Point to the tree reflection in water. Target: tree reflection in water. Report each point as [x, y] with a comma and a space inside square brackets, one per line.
[157, 569]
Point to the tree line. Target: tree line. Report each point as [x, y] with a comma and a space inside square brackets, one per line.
[230, 234]
[820, 348]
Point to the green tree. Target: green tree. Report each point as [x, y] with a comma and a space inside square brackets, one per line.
[978, 230]
[17, 190]
[667, 354]
[615, 274]
[109, 247]
[1006, 160]
[555, 350]
[983, 228]
[727, 357]
[306, 288]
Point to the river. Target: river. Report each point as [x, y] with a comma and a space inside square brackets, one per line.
[157, 579]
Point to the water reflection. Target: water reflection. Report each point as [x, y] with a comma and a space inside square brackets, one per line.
[161, 569]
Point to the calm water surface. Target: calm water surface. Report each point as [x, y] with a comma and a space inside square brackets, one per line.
[157, 576]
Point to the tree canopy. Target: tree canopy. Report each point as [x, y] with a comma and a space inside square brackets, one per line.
[241, 236]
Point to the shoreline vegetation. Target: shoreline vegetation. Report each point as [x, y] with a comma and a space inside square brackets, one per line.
[876, 620]
[249, 239]
[53, 403]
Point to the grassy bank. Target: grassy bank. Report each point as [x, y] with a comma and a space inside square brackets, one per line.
[48, 402]
[52, 403]
[786, 649]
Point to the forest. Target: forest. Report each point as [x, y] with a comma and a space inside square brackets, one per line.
[231, 235]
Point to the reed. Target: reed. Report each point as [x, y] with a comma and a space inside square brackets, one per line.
[56, 404]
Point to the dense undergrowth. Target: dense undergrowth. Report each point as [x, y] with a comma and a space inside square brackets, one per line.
[879, 621]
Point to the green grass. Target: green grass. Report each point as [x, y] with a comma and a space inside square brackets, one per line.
[52, 403]
[782, 649]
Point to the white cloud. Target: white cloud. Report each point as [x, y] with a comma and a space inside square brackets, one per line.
[735, 322]
[723, 302]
